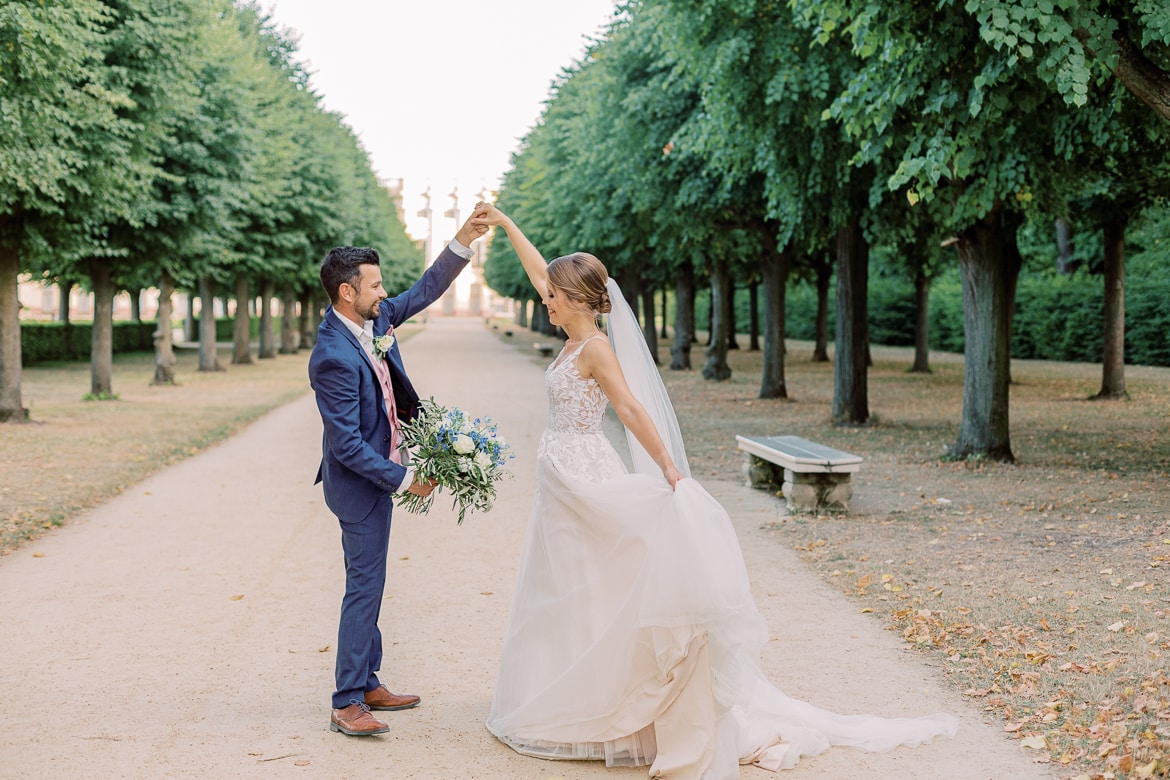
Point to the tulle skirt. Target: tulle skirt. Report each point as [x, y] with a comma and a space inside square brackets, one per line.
[633, 637]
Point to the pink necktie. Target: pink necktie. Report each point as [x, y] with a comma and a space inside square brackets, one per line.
[383, 372]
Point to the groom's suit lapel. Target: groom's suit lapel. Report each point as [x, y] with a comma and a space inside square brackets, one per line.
[347, 335]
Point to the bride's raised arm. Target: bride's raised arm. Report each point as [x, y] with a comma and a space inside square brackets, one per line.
[530, 257]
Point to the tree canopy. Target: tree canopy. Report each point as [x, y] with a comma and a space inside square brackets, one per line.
[143, 139]
[746, 140]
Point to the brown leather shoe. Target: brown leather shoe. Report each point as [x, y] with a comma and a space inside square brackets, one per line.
[381, 699]
[356, 721]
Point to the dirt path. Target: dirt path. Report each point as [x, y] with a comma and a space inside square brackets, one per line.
[186, 628]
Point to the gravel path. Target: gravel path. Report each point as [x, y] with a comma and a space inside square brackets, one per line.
[186, 628]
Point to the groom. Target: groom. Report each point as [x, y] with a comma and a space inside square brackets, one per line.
[363, 395]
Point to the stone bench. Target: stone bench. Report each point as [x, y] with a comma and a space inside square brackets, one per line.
[814, 478]
[545, 350]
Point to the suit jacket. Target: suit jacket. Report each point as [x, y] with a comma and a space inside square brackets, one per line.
[355, 468]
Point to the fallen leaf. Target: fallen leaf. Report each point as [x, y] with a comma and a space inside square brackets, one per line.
[1120, 624]
[1036, 742]
[1147, 770]
[302, 762]
[237, 597]
[324, 649]
[866, 609]
[38, 555]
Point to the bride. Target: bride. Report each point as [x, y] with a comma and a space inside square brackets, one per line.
[633, 637]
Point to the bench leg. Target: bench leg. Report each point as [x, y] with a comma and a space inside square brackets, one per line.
[762, 474]
[817, 492]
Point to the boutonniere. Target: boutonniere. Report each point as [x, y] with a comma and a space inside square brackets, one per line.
[382, 346]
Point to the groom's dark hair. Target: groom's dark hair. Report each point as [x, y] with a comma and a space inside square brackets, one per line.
[343, 265]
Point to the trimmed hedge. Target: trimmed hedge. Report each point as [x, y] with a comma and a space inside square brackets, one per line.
[42, 342]
[1057, 317]
[1060, 318]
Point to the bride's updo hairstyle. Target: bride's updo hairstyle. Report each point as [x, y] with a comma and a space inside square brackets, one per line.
[582, 277]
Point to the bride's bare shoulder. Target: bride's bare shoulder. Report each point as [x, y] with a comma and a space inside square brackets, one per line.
[597, 356]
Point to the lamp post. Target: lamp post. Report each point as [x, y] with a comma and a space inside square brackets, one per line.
[452, 214]
[479, 298]
[426, 213]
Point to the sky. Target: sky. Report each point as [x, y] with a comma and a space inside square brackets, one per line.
[439, 91]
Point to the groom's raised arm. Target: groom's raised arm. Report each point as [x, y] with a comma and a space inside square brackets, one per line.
[436, 279]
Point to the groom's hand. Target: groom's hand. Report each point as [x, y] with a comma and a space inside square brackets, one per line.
[424, 488]
[470, 231]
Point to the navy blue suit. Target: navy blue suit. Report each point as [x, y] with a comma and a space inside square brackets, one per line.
[358, 478]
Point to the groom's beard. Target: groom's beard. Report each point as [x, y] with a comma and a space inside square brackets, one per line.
[372, 312]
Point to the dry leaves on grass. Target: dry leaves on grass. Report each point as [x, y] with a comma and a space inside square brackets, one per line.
[997, 568]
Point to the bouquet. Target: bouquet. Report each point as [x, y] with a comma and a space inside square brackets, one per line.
[462, 454]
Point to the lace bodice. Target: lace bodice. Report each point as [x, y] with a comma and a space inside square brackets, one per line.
[574, 443]
[575, 405]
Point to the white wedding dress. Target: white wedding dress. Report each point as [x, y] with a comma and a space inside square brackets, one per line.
[633, 636]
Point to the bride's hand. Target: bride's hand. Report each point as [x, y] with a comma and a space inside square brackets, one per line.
[487, 215]
[673, 475]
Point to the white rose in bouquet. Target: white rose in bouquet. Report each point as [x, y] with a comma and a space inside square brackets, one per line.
[463, 445]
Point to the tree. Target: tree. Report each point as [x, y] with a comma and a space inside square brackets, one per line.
[967, 101]
[149, 58]
[764, 86]
[64, 130]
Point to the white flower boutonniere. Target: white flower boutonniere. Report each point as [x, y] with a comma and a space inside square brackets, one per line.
[382, 345]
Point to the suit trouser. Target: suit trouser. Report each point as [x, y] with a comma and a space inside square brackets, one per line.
[359, 642]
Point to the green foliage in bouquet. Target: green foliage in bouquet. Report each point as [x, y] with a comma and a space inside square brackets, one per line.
[464, 455]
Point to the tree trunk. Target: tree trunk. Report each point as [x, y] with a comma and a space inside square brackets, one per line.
[11, 229]
[267, 328]
[164, 348]
[242, 324]
[649, 326]
[522, 313]
[774, 268]
[729, 307]
[288, 321]
[208, 351]
[1065, 264]
[716, 366]
[684, 318]
[754, 323]
[921, 319]
[710, 311]
[64, 293]
[308, 319]
[850, 376]
[989, 266]
[663, 334]
[824, 272]
[1113, 357]
[135, 303]
[190, 324]
[101, 349]
[539, 322]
